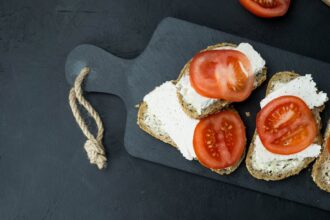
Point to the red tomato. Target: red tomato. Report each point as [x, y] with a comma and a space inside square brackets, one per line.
[286, 125]
[219, 140]
[222, 74]
[328, 145]
[266, 8]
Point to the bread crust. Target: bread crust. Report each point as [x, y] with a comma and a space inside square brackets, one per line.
[219, 104]
[271, 176]
[324, 158]
[142, 112]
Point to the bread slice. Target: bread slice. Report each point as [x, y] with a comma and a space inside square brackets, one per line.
[219, 104]
[150, 124]
[288, 167]
[321, 168]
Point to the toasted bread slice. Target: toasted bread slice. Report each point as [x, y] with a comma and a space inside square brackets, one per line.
[281, 169]
[150, 124]
[321, 168]
[218, 104]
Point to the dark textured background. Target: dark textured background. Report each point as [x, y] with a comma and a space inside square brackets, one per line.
[41, 154]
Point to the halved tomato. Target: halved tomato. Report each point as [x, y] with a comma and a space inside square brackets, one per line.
[266, 8]
[219, 140]
[222, 74]
[286, 125]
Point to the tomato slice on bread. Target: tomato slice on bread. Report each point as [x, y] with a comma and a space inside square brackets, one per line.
[222, 74]
[219, 140]
[266, 8]
[286, 125]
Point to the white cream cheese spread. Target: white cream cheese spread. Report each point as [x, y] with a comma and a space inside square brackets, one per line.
[163, 103]
[303, 87]
[264, 156]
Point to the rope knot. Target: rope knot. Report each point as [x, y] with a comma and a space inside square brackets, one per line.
[95, 153]
[93, 146]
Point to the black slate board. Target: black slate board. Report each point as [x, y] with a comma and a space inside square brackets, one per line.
[173, 43]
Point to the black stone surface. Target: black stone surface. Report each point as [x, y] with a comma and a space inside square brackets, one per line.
[44, 173]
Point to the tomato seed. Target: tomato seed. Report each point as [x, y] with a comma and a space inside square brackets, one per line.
[266, 3]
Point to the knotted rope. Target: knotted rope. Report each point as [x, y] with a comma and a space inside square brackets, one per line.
[326, 2]
[93, 145]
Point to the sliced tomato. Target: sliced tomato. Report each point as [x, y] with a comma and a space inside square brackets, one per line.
[286, 125]
[266, 8]
[219, 140]
[328, 145]
[222, 74]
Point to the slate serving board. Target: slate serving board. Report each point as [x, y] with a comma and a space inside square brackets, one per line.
[173, 43]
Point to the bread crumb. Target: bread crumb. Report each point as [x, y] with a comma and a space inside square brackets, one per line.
[248, 114]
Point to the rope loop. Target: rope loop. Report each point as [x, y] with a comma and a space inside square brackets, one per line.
[93, 145]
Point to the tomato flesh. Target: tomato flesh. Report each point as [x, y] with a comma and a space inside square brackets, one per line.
[286, 125]
[328, 145]
[266, 8]
[222, 74]
[219, 140]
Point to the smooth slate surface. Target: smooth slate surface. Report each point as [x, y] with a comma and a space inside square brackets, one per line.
[172, 45]
[44, 173]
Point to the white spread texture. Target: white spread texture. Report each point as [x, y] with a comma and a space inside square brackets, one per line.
[200, 102]
[263, 155]
[256, 61]
[305, 88]
[163, 103]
